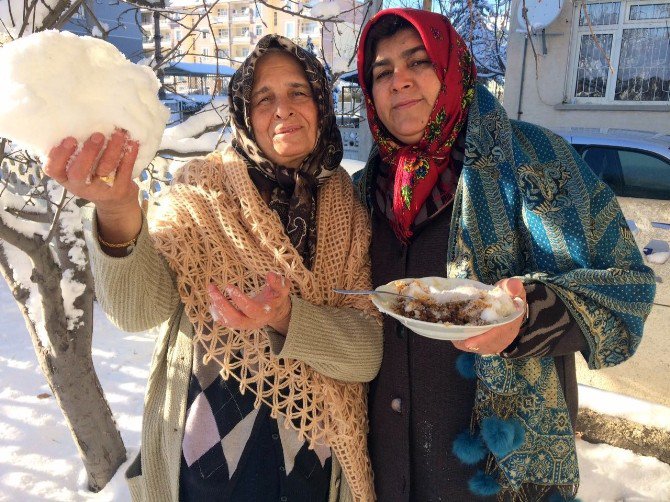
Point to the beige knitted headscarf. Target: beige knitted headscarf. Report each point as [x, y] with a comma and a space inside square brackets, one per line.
[213, 226]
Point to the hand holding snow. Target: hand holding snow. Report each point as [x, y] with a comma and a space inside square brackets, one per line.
[57, 84]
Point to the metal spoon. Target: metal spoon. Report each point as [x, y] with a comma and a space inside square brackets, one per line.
[371, 292]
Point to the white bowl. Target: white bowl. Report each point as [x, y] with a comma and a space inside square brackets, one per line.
[434, 330]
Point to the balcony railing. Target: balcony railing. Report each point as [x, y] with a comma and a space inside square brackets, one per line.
[240, 17]
[242, 39]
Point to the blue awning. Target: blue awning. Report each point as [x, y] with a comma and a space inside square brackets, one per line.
[198, 70]
[350, 76]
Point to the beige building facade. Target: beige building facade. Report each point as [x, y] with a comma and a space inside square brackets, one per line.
[597, 64]
[235, 26]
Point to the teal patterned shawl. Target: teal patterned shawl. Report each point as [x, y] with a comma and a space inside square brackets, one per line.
[528, 206]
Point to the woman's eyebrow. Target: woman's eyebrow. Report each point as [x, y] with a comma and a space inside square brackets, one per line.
[299, 85]
[262, 90]
[407, 53]
[291, 85]
[411, 51]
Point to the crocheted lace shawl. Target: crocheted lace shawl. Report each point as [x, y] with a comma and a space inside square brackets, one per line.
[213, 226]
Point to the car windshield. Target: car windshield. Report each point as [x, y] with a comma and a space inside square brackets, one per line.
[630, 173]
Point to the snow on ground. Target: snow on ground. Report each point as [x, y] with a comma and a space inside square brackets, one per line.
[39, 462]
[38, 459]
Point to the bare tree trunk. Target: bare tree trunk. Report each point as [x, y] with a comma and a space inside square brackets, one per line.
[65, 355]
[75, 384]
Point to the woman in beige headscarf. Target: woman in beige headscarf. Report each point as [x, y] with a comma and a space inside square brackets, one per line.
[257, 376]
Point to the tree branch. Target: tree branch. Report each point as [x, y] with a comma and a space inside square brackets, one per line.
[19, 240]
[56, 221]
[20, 294]
[29, 216]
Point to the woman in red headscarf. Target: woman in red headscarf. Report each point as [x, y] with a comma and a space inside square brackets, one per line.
[456, 189]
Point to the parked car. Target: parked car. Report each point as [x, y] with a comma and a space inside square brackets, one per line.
[636, 165]
[633, 163]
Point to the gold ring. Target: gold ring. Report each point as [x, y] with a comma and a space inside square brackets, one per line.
[474, 349]
[109, 179]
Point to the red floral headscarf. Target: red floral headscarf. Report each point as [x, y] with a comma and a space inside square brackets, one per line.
[415, 169]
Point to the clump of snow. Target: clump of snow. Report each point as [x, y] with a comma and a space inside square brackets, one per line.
[12, 15]
[618, 405]
[658, 258]
[22, 271]
[71, 291]
[325, 10]
[189, 136]
[56, 84]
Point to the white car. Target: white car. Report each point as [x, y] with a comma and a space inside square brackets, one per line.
[636, 165]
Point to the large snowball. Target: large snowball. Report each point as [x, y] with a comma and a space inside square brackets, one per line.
[55, 85]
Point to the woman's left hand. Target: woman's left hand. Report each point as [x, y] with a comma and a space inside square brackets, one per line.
[270, 307]
[495, 340]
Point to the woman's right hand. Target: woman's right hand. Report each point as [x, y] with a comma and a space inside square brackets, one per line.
[80, 175]
[107, 183]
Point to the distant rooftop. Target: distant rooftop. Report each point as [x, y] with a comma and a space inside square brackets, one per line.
[198, 70]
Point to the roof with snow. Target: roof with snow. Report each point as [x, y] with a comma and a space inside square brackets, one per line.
[198, 70]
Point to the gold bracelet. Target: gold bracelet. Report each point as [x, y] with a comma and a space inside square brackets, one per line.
[111, 245]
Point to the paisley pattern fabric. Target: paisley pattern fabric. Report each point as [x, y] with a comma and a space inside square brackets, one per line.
[528, 206]
[291, 192]
[416, 169]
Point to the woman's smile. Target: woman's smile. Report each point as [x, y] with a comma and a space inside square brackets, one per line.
[406, 104]
[285, 131]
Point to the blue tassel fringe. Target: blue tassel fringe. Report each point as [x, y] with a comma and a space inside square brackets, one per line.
[483, 485]
[502, 436]
[465, 365]
[469, 449]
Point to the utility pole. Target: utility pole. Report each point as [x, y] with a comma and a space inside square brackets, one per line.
[158, 52]
[428, 5]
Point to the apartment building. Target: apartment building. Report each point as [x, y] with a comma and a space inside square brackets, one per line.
[232, 28]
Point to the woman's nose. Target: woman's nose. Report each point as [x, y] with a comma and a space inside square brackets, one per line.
[283, 110]
[401, 80]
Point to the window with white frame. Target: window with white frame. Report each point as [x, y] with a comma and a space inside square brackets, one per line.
[622, 52]
[309, 28]
[289, 29]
